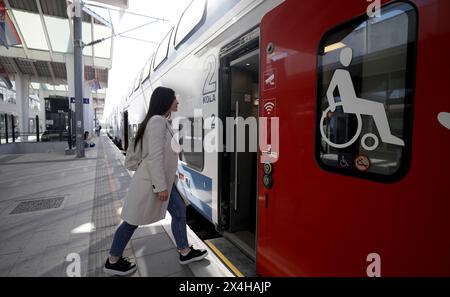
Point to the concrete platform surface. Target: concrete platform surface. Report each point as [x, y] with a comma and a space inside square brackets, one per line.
[58, 215]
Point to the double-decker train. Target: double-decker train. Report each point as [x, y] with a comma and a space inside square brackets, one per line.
[357, 184]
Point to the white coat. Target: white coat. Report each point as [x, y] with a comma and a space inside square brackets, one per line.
[156, 173]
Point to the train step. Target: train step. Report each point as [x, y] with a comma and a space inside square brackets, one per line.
[236, 261]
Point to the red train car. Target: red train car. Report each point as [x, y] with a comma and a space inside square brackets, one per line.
[360, 184]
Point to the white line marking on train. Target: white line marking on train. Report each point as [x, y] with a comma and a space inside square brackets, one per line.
[444, 119]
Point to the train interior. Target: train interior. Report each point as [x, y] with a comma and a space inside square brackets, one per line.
[243, 78]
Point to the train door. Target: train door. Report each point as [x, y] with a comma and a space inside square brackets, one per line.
[239, 100]
[359, 185]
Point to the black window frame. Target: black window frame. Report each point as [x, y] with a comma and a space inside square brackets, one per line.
[410, 84]
[138, 81]
[193, 30]
[190, 165]
[146, 74]
[155, 67]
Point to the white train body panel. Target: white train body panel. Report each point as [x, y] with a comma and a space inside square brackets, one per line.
[192, 70]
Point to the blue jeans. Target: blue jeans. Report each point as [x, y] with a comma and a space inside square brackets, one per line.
[121, 238]
[177, 210]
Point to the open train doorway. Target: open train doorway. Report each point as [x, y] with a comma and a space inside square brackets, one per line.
[238, 171]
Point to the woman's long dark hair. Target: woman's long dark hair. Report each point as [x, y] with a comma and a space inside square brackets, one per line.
[160, 103]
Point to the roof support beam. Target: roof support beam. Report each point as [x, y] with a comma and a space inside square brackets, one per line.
[48, 80]
[37, 55]
[93, 50]
[15, 66]
[127, 12]
[33, 67]
[14, 21]
[52, 73]
[113, 33]
[92, 38]
[44, 26]
[69, 19]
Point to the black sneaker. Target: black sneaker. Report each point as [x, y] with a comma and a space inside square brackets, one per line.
[193, 255]
[121, 267]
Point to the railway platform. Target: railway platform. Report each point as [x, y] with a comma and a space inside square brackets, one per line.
[58, 215]
[308, 139]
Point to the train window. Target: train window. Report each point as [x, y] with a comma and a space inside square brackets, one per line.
[147, 68]
[191, 140]
[163, 50]
[366, 73]
[141, 75]
[189, 21]
[137, 82]
[134, 131]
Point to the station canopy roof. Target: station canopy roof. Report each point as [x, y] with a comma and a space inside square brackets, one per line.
[36, 37]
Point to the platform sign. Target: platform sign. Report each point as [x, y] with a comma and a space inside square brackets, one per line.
[85, 100]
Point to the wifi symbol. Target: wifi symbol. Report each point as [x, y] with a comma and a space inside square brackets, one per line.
[269, 106]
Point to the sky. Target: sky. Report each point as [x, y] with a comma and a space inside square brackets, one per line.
[129, 55]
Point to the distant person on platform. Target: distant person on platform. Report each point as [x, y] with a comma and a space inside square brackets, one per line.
[87, 144]
[97, 130]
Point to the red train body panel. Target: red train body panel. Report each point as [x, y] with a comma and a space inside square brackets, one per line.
[322, 223]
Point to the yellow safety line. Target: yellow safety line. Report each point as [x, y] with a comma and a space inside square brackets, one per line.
[224, 259]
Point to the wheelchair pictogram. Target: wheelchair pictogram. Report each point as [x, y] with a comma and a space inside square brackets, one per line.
[328, 141]
[351, 104]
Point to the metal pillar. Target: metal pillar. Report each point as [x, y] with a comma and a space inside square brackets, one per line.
[70, 127]
[6, 127]
[96, 124]
[78, 65]
[13, 128]
[23, 102]
[70, 70]
[37, 128]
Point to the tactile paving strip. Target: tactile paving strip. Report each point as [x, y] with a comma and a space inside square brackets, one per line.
[104, 214]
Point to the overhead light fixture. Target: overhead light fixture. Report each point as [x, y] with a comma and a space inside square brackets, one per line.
[334, 46]
[248, 64]
[26, 60]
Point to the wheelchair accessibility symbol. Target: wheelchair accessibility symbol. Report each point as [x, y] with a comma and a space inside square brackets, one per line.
[351, 104]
